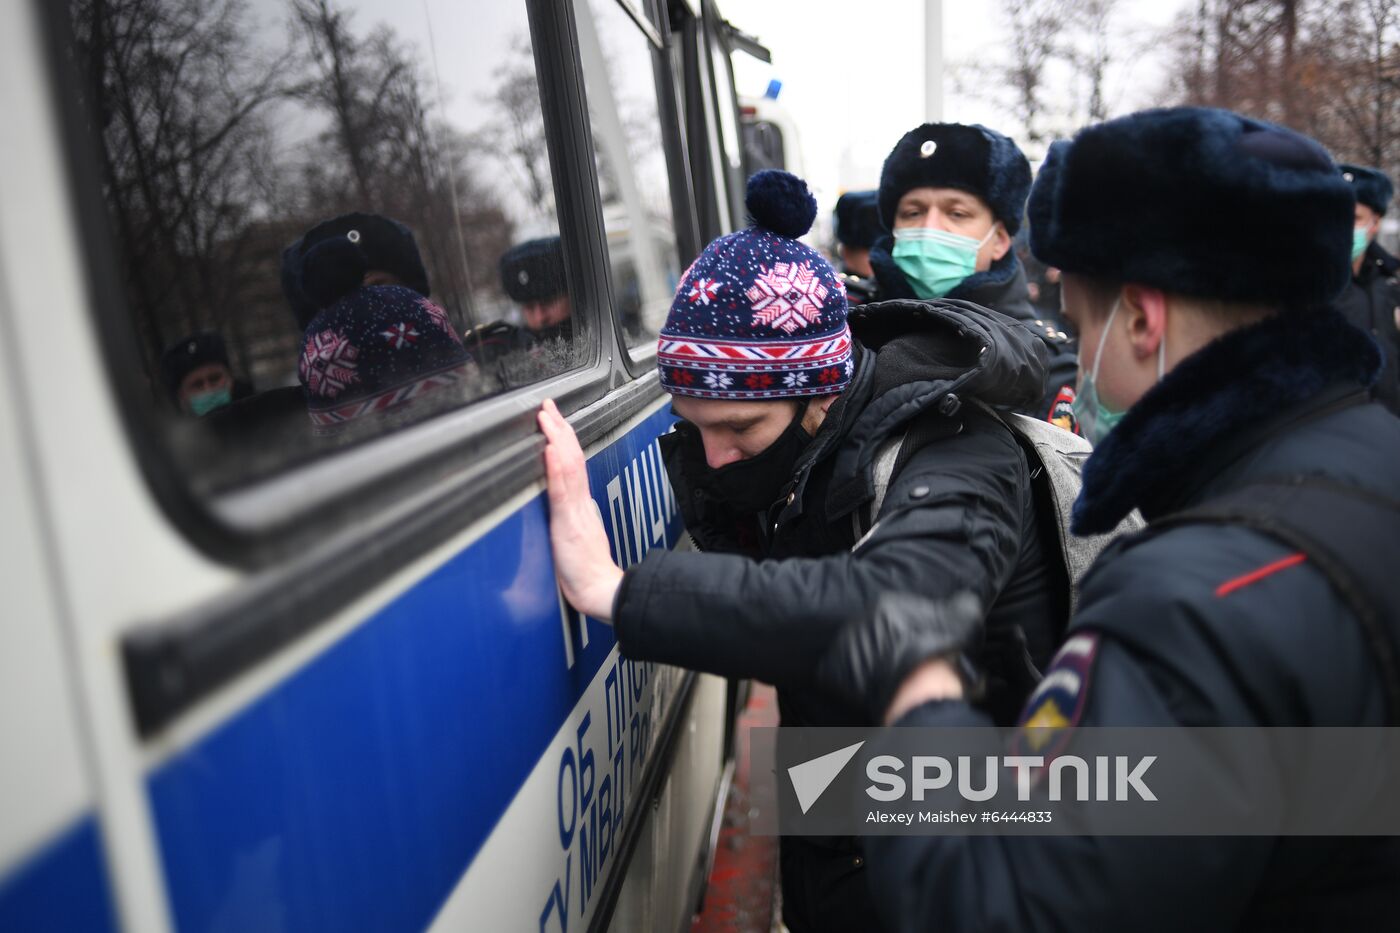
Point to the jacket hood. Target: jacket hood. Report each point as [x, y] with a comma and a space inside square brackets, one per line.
[922, 357]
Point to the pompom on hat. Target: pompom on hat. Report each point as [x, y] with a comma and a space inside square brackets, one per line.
[759, 315]
[1200, 202]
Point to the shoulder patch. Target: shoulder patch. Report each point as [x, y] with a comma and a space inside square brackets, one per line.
[1062, 410]
[1057, 704]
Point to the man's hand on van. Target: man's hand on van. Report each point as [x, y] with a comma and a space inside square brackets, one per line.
[582, 559]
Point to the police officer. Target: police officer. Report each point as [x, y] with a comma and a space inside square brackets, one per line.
[1211, 371]
[198, 376]
[363, 249]
[1371, 301]
[784, 416]
[532, 274]
[857, 227]
[953, 197]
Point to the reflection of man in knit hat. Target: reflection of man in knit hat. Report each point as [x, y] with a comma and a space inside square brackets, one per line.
[371, 348]
[788, 401]
[532, 274]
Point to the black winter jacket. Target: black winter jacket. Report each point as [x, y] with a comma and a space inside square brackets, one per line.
[959, 515]
[1369, 303]
[1001, 288]
[1176, 645]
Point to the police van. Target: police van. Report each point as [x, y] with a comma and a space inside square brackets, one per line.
[270, 664]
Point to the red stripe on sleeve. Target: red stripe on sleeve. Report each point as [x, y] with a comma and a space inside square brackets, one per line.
[1254, 576]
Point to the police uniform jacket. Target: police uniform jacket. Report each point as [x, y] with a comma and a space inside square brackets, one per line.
[1195, 625]
[1369, 303]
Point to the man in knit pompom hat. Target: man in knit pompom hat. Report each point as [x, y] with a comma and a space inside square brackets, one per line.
[786, 398]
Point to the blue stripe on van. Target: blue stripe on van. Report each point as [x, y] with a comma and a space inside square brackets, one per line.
[61, 888]
[355, 794]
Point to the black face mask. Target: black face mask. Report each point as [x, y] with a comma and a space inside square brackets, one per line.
[753, 485]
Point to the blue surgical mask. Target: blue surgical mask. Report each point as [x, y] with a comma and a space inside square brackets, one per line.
[1360, 239]
[935, 261]
[1095, 418]
[205, 402]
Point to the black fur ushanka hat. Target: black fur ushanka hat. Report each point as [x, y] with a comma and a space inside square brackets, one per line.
[1200, 202]
[974, 159]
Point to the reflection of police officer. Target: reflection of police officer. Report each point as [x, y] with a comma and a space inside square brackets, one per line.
[198, 376]
[381, 251]
[532, 274]
[1234, 414]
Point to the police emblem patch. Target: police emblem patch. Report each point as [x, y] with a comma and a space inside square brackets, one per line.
[1058, 702]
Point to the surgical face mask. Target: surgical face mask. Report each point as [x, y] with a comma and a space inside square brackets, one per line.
[1360, 239]
[205, 402]
[1095, 418]
[935, 261]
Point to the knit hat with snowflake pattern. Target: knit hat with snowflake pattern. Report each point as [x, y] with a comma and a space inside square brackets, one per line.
[759, 315]
[375, 348]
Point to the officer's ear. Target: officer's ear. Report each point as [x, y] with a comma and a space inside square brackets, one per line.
[1001, 242]
[1144, 310]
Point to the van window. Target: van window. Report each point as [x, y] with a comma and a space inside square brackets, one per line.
[729, 130]
[621, 65]
[331, 218]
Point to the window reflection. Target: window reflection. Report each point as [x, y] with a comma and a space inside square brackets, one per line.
[327, 192]
[618, 63]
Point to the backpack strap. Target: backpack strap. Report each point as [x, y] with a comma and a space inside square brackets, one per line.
[893, 454]
[1056, 459]
[883, 471]
[1352, 535]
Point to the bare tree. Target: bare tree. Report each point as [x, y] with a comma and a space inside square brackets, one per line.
[353, 81]
[1035, 27]
[386, 152]
[177, 92]
[1330, 69]
[518, 138]
[1089, 48]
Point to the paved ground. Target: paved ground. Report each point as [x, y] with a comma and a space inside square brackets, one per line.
[742, 896]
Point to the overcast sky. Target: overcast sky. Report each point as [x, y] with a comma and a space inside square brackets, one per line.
[852, 73]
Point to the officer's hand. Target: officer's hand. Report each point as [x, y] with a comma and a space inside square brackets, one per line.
[582, 559]
[870, 659]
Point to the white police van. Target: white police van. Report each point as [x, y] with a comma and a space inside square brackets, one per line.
[260, 672]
